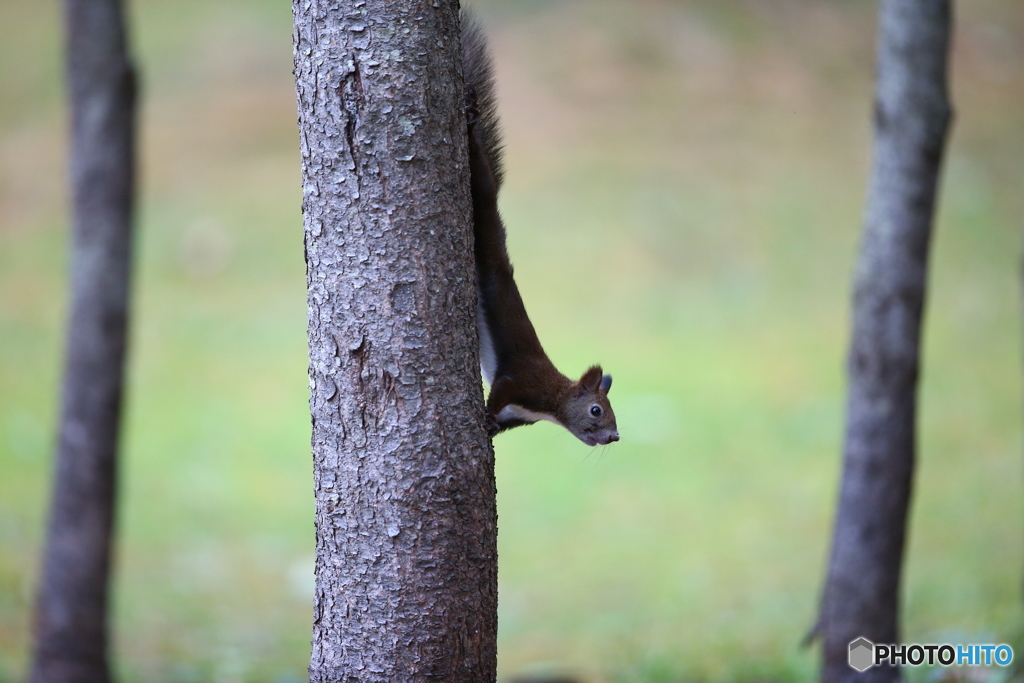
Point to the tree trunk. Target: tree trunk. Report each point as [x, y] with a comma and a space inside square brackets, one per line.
[912, 112]
[71, 608]
[406, 522]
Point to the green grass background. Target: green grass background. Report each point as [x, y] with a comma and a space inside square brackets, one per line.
[685, 184]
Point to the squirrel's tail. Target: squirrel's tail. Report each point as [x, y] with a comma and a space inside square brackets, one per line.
[479, 75]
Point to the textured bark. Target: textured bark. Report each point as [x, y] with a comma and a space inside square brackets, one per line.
[71, 608]
[406, 522]
[912, 113]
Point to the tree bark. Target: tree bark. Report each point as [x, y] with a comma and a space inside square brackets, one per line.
[406, 521]
[912, 113]
[71, 608]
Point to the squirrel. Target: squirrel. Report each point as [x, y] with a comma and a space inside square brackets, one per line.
[526, 387]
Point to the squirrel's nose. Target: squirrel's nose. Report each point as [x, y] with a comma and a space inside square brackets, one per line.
[613, 437]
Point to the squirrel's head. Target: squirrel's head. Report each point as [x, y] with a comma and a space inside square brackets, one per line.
[589, 415]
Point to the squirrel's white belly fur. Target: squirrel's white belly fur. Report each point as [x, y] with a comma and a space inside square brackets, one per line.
[488, 356]
[514, 412]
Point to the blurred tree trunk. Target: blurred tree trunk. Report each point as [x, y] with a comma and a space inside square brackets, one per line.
[406, 522]
[912, 112]
[71, 608]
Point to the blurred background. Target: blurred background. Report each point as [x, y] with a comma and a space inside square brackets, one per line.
[685, 184]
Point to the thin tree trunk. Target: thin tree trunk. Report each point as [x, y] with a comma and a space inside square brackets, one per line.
[406, 522]
[71, 608]
[912, 112]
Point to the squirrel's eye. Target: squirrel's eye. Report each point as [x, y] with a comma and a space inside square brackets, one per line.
[595, 410]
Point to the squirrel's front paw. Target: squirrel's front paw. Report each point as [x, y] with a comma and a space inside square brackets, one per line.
[492, 426]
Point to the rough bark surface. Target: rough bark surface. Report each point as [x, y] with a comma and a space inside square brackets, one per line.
[406, 521]
[912, 113]
[71, 609]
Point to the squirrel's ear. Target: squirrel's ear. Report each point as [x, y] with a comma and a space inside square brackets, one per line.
[591, 379]
[606, 384]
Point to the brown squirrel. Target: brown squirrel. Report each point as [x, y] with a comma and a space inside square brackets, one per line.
[526, 387]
